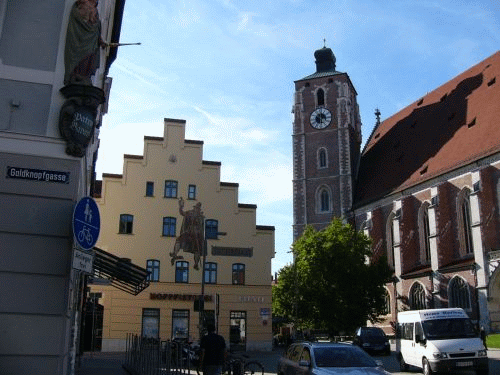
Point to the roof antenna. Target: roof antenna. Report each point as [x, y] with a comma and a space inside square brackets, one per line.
[324, 43]
[377, 115]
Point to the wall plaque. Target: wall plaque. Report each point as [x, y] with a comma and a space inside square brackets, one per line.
[233, 251]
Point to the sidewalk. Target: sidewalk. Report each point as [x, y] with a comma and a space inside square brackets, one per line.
[97, 363]
[108, 363]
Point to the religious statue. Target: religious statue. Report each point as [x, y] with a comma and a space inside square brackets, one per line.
[83, 39]
[191, 238]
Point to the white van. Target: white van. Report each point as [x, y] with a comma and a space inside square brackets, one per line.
[439, 340]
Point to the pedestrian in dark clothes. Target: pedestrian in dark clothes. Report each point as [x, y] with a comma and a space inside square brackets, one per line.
[213, 352]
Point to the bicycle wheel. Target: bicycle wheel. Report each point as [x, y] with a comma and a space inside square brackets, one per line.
[253, 368]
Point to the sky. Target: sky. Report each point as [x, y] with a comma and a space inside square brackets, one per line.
[228, 68]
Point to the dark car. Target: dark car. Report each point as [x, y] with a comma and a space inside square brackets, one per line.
[324, 358]
[373, 340]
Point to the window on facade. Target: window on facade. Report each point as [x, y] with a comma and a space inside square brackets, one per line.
[192, 192]
[417, 297]
[387, 307]
[211, 229]
[424, 233]
[322, 158]
[320, 96]
[181, 272]
[210, 273]
[391, 249]
[151, 323]
[180, 324]
[324, 201]
[169, 224]
[153, 266]
[170, 189]
[238, 274]
[126, 223]
[150, 188]
[467, 225]
[458, 293]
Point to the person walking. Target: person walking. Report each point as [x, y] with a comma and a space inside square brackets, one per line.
[213, 352]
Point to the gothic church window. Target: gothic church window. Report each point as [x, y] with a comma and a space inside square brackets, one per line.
[387, 309]
[417, 297]
[424, 233]
[320, 97]
[465, 223]
[322, 159]
[458, 293]
[323, 201]
[390, 241]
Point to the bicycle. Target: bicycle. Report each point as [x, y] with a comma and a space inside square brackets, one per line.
[239, 366]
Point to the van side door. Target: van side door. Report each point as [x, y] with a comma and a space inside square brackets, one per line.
[420, 349]
[408, 343]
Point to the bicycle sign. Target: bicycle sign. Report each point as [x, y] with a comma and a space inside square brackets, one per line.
[86, 223]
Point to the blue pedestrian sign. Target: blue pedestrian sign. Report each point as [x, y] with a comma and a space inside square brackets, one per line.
[86, 223]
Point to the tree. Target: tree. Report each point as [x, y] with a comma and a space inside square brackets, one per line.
[333, 284]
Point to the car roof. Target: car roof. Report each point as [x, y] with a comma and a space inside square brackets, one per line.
[323, 344]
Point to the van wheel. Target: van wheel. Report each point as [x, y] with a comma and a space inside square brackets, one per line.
[426, 367]
[403, 366]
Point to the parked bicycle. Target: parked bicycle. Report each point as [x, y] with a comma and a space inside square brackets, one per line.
[236, 365]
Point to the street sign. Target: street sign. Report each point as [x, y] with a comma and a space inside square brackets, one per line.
[82, 261]
[86, 223]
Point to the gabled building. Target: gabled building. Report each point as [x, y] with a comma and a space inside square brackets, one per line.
[165, 195]
[426, 190]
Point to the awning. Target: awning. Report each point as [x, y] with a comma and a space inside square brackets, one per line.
[120, 272]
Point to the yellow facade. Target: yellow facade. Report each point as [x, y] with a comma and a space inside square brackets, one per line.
[241, 242]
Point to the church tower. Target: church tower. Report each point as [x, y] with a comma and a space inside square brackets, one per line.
[326, 145]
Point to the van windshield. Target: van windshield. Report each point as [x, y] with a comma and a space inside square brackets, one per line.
[442, 329]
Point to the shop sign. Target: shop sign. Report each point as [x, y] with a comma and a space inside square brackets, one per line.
[252, 299]
[178, 297]
[38, 175]
[233, 251]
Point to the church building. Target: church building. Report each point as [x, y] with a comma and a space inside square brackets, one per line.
[425, 187]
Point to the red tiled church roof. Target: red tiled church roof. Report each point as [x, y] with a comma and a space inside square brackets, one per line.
[454, 125]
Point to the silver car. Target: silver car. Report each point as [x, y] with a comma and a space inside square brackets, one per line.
[327, 359]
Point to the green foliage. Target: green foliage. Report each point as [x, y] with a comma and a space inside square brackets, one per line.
[493, 341]
[332, 286]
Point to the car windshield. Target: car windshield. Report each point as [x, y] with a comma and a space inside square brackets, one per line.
[342, 357]
[442, 329]
[372, 333]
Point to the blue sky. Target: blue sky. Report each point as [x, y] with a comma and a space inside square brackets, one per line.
[228, 68]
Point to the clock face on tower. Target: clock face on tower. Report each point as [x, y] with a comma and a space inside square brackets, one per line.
[320, 118]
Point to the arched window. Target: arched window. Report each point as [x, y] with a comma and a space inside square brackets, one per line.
[389, 235]
[424, 233]
[417, 297]
[325, 201]
[320, 96]
[465, 223]
[458, 293]
[387, 309]
[322, 161]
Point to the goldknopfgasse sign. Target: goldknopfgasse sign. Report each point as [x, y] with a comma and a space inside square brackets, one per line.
[43, 175]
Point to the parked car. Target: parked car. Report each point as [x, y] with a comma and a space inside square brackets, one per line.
[373, 340]
[324, 358]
